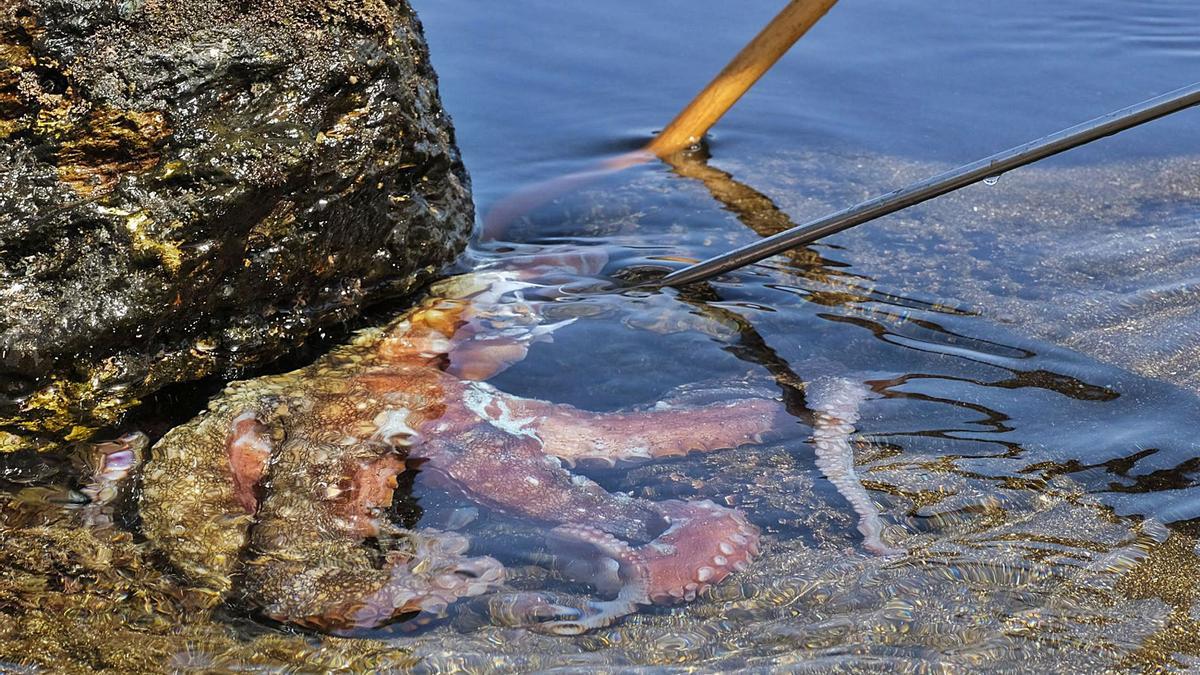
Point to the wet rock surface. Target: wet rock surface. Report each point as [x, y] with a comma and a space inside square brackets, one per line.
[191, 188]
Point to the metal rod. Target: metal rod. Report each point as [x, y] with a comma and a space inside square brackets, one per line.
[939, 185]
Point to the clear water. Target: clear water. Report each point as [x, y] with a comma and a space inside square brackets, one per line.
[1032, 343]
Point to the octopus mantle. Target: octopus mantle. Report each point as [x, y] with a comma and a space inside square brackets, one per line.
[284, 482]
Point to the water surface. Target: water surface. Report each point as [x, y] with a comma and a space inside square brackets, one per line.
[1033, 343]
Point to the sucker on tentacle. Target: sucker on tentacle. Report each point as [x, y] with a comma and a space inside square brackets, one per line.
[108, 465]
[835, 403]
[703, 544]
[106, 469]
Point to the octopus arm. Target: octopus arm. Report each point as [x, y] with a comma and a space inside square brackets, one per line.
[479, 323]
[511, 474]
[336, 587]
[703, 545]
[471, 339]
[835, 402]
[640, 552]
[478, 354]
[670, 428]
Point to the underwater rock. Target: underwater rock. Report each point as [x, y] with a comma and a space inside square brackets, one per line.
[191, 188]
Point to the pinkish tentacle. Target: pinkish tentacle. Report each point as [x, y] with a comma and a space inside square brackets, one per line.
[479, 350]
[487, 325]
[553, 614]
[666, 430]
[313, 587]
[551, 264]
[109, 463]
[835, 402]
[589, 555]
[691, 545]
[432, 577]
[702, 546]
[501, 328]
[510, 473]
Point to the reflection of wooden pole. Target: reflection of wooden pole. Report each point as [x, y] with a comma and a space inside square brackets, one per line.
[738, 76]
[690, 125]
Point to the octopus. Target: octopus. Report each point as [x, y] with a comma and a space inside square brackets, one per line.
[278, 495]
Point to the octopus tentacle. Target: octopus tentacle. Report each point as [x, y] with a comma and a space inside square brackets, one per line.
[510, 473]
[479, 351]
[703, 545]
[108, 465]
[668, 429]
[477, 327]
[592, 556]
[558, 264]
[481, 322]
[545, 612]
[835, 402]
[427, 577]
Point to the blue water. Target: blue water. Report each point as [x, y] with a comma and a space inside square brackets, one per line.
[979, 321]
[540, 88]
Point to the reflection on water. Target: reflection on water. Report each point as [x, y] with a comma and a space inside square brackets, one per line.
[1029, 436]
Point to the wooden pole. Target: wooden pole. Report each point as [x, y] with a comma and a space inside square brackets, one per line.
[736, 78]
[690, 125]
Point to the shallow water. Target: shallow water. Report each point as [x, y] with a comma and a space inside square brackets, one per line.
[1031, 347]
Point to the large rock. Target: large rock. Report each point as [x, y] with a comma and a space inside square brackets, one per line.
[193, 186]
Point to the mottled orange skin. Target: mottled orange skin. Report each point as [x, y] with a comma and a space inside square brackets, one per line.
[283, 477]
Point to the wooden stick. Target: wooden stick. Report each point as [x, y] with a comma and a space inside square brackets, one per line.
[736, 78]
[690, 125]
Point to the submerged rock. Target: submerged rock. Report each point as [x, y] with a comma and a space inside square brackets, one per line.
[193, 187]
